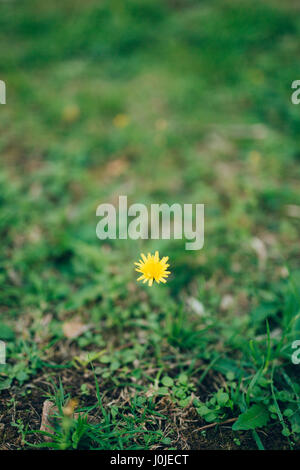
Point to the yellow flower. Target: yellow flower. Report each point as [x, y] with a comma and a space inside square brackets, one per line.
[68, 410]
[121, 121]
[70, 113]
[152, 268]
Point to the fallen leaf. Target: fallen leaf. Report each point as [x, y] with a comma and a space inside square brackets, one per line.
[49, 409]
[292, 210]
[196, 306]
[74, 328]
[260, 248]
[226, 302]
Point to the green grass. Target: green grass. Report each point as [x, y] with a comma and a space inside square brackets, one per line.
[206, 90]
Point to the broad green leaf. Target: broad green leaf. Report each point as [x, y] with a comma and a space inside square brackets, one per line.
[203, 410]
[163, 391]
[255, 417]
[5, 384]
[210, 417]
[167, 381]
[222, 398]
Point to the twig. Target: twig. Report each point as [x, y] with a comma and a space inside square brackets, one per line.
[215, 424]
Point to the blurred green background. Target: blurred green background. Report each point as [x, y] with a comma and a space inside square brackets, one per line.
[162, 101]
[165, 101]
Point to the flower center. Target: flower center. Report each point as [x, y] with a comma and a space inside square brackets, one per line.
[154, 269]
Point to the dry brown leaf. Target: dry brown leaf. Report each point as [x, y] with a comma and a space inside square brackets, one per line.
[226, 302]
[196, 306]
[49, 409]
[260, 248]
[74, 328]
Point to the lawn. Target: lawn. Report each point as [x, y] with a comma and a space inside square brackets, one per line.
[165, 101]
